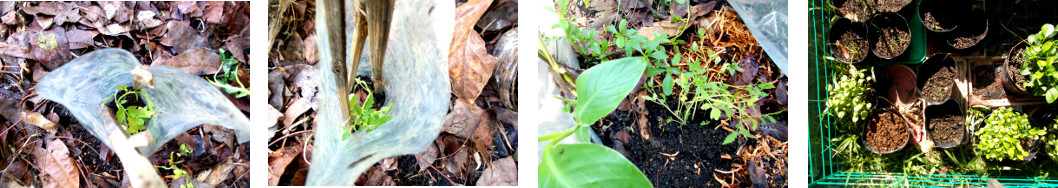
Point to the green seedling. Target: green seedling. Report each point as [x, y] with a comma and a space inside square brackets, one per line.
[132, 118]
[363, 115]
[1040, 56]
[601, 88]
[1003, 133]
[227, 78]
[848, 96]
[177, 172]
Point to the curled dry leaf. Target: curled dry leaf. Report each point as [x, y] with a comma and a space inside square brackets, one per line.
[79, 39]
[39, 120]
[197, 62]
[463, 120]
[278, 161]
[58, 166]
[470, 65]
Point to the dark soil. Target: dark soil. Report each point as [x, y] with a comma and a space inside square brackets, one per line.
[966, 38]
[939, 86]
[852, 47]
[891, 5]
[985, 84]
[855, 10]
[892, 42]
[946, 129]
[697, 149]
[886, 131]
[930, 20]
[1014, 69]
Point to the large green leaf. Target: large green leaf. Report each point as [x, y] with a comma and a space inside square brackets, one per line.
[587, 165]
[601, 88]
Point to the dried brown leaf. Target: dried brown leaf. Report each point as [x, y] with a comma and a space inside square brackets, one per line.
[214, 13]
[503, 172]
[503, 15]
[463, 120]
[197, 62]
[310, 52]
[80, 38]
[182, 37]
[51, 48]
[39, 120]
[295, 109]
[11, 18]
[278, 161]
[60, 168]
[470, 65]
[428, 157]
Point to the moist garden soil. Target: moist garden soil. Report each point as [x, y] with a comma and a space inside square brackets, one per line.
[969, 36]
[936, 19]
[886, 131]
[891, 5]
[985, 84]
[1014, 69]
[946, 129]
[855, 10]
[892, 42]
[939, 86]
[853, 46]
[697, 148]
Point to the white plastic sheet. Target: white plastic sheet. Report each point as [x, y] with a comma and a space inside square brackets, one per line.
[766, 20]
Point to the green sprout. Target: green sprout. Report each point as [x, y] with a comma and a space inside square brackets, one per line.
[132, 118]
[363, 116]
[848, 96]
[1002, 135]
[227, 78]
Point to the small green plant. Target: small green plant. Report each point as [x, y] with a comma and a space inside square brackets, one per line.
[848, 95]
[631, 42]
[132, 118]
[363, 115]
[227, 78]
[177, 172]
[1052, 140]
[1040, 57]
[1003, 132]
[600, 89]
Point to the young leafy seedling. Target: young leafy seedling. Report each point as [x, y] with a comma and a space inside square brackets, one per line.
[363, 115]
[601, 88]
[1003, 133]
[132, 118]
[1040, 57]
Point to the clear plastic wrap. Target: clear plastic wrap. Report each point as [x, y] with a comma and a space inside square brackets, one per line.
[182, 101]
[767, 22]
[418, 91]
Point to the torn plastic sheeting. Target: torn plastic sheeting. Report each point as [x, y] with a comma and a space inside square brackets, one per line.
[417, 88]
[766, 20]
[182, 101]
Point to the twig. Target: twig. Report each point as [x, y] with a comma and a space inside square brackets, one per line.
[288, 135]
[435, 168]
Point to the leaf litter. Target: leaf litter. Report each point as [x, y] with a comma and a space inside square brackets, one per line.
[52, 149]
[479, 137]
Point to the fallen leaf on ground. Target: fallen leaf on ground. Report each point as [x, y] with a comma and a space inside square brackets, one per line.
[295, 109]
[80, 38]
[58, 166]
[428, 157]
[197, 62]
[503, 172]
[463, 120]
[311, 54]
[37, 119]
[503, 15]
[470, 65]
[182, 37]
[278, 161]
[272, 120]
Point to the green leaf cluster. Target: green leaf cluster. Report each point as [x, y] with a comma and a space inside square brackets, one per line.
[848, 95]
[1003, 132]
[631, 42]
[227, 77]
[363, 115]
[1040, 56]
[600, 89]
[177, 172]
[1051, 140]
[132, 118]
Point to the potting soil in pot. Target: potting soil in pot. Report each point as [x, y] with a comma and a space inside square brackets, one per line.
[939, 86]
[855, 10]
[1014, 69]
[886, 131]
[946, 129]
[891, 5]
[853, 46]
[892, 42]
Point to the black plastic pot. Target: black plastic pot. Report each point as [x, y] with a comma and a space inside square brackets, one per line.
[878, 37]
[893, 6]
[971, 33]
[850, 9]
[868, 124]
[843, 52]
[931, 66]
[1007, 76]
[948, 108]
[944, 12]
